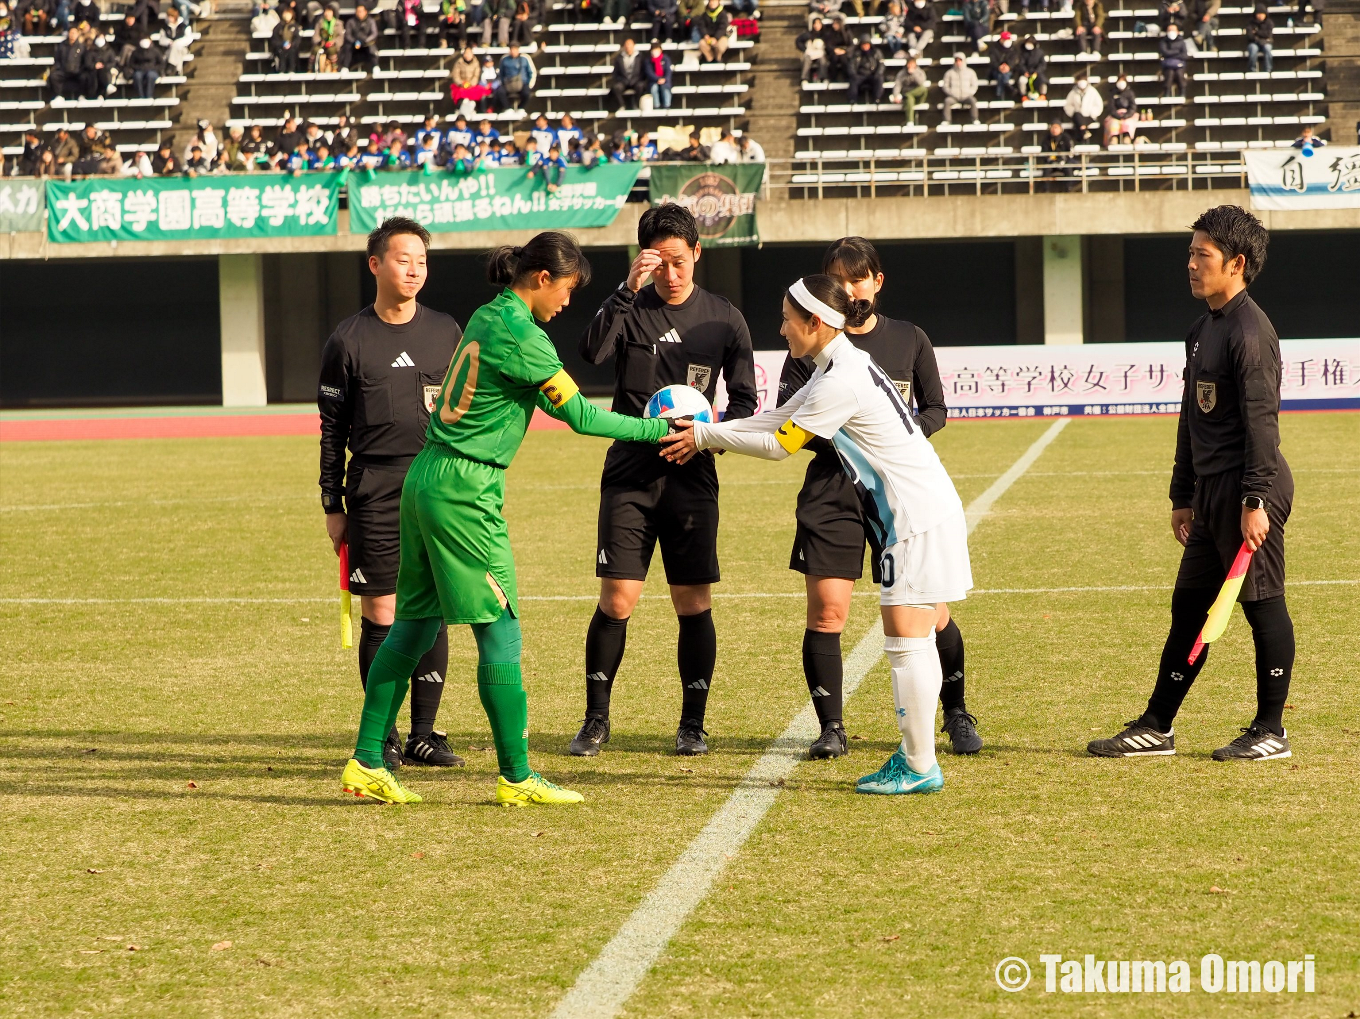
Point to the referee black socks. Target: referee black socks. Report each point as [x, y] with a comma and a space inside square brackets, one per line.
[825, 673]
[949, 646]
[371, 636]
[1273, 633]
[605, 640]
[697, 653]
[1189, 609]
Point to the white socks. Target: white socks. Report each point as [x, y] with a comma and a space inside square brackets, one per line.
[916, 680]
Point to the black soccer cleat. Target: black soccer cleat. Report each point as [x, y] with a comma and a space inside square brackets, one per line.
[1257, 743]
[432, 750]
[1137, 740]
[689, 739]
[594, 733]
[831, 743]
[962, 729]
[392, 756]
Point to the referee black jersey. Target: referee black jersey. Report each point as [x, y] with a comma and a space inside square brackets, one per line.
[1230, 409]
[378, 385]
[656, 344]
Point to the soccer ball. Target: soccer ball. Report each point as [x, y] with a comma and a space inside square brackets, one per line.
[679, 402]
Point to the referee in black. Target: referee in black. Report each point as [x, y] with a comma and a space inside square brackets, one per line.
[380, 374]
[1229, 485]
[664, 333]
[828, 545]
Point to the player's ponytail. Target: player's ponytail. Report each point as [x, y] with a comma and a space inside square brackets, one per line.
[859, 312]
[552, 251]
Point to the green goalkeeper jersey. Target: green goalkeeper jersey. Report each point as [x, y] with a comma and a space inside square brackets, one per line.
[504, 367]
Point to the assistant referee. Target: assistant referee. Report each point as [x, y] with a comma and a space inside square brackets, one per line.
[1230, 485]
[662, 330]
[380, 374]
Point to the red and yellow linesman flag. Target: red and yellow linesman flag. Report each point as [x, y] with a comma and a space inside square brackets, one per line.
[1221, 610]
[346, 624]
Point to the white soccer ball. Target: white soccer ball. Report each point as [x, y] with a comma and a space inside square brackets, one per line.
[679, 402]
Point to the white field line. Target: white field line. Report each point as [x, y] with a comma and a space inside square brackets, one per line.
[610, 980]
[310, 600]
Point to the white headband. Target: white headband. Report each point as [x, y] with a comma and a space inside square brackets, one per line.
[800, 293]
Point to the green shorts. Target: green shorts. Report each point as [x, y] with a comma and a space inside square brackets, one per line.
[455, 549]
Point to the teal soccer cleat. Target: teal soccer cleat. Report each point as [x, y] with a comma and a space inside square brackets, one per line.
[896, 778]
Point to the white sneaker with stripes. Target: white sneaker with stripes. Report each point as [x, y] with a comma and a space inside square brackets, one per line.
[1137, 740]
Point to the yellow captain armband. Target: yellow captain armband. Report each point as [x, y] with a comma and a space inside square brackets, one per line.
[560, 388]
[791, 437]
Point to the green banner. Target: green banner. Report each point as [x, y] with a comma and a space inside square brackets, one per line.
[21, 206]
[722, 198]
[193, 208]
[503, 199]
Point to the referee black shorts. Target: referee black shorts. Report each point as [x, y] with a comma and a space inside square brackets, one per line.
[373, 511]
[1216, 535]
[678, 510]
[830, 536]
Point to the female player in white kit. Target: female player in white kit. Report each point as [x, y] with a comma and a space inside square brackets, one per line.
[908, 500]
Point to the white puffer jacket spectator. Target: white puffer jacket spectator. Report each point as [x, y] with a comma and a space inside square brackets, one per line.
[1084, 99]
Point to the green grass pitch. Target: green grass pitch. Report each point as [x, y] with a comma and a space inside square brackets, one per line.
[171, 763]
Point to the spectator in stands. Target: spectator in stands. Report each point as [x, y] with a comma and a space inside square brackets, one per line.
[146, 12]
[551, 167]
[322, 158]
[287, 138]
[97, 69]
[67, 58]
[453, 24]
[628, 74]
[1084, 106]
[9, 29]
[286, 43]
[813, 47]
[138, 165]
[749, 150]
[430, 129]
[1174, 55]
[910, 88]
[427, 150]
[866, 73]
[461, 161]
[893, 29]
[977, 22]
[371, 158]
[713, 25]
[922, 22]
[522, 24]
[397, 157]
[65, 152]
[31, 157]
[725, 149]
[663, 14]
[688, 25]
[838, 47]
[1057, 148]
[568, 132]
[1033, 69]
[1308, 140]
[644, 148]
[1315, 15]
[86, 11]
[1204, 16]
[344, 135]
[465, 81]
[361, 36]
[126, 37]
[311, 132]
[328, 37]
[510, 154]
[164, 163]
[97, 153]
[515, 84]
[231, 157]
[960, 85]
[1171, 12]
[659, 72]
[485, 132]
[174, 39]
[410, 26]
[34, 15]
[196, 163]
[694, 152]
[1121, 112]
[498, 15]
[1260, 34]
[543, 133]
[616, 12]
[751, 8]
[146, 65]
[254, 148]
[1005, 62]
[1089, 22]
[263, 23]
[347, 158]
[825, 8]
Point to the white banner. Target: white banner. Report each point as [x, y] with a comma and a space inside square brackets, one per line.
[1326, 177]
[1101, 378]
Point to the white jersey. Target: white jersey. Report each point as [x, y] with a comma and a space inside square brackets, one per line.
[850, 400]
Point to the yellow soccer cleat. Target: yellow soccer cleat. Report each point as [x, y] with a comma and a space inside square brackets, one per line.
[375, 784]
[534, 789]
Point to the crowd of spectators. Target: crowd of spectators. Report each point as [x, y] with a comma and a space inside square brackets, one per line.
[454, 147]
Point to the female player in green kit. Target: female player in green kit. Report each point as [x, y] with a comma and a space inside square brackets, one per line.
[456, 563]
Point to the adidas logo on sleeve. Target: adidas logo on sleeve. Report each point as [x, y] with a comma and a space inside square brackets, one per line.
[403, 361]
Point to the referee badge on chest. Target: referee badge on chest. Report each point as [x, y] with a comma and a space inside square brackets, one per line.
[431, 395]
[698, 376]
[1206, 395]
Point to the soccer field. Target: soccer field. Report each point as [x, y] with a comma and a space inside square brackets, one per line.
[177, 711]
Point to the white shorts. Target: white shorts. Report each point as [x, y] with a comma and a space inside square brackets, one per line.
[929, 567]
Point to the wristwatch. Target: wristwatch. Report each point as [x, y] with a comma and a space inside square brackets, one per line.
[332, 503]
[1253, 502]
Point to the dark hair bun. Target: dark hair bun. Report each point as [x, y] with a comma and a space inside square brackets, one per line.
[858, 313]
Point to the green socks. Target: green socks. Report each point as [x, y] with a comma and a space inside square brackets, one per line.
[388, 679]
[502, 693]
